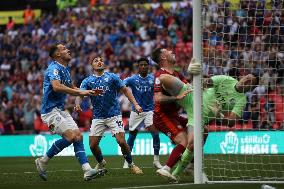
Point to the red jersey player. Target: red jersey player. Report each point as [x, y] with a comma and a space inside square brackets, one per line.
[166, 118]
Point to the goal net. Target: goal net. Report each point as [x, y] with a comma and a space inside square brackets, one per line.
[243, 37]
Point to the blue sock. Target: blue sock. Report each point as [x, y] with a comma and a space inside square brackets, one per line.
[156, 143]
[130, 140]
[128, 158]
[80, 152]
[57, 147]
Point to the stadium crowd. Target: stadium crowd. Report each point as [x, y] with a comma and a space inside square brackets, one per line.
[236, 42]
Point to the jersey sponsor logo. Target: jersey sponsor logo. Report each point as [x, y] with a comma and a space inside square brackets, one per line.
[143, 88]
[104, 88]
[221, 97]
[55, 72]
[232, 101]
[157, 82]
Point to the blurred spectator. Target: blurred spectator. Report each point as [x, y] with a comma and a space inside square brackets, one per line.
[10, 25]
[28, 15]
[255, 112]
[233, 44]
[270, 109]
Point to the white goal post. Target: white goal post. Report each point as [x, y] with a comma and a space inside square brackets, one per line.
[197, 94]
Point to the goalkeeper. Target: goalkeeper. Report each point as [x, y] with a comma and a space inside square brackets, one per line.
[223, 95]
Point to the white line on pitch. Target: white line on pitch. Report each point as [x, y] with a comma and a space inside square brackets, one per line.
[70, 170]
[154, 186]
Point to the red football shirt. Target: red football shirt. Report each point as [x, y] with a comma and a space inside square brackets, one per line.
[167, 108]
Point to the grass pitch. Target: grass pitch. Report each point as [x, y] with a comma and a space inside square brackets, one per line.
[65, 173]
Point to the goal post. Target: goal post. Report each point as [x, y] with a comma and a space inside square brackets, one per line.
[197, 93]
[236, 38]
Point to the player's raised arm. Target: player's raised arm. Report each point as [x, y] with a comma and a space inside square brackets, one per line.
[172, 85]
[60, 88]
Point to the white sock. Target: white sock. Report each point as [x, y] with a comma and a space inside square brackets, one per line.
[86, 167]
[156, 157]
[45, 158]
[166, 168]
[130, 165]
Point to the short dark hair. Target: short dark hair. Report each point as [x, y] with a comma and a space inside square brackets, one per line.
[156, 55]
[143, 59]
[52, 50]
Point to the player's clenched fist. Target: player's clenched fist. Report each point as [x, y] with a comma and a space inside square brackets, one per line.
[194, 67]
[97, 92]
[138, 109]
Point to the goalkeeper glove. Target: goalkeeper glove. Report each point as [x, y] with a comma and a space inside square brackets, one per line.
[215, 108]
[194, 67]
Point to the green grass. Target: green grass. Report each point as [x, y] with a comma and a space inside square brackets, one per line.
[65, 173]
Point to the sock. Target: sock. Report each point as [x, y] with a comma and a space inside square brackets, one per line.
[156, 158]
[57, 147]
[80, 152]
[175, 155]
[166, 168]
[128, 158]
[130, 140]
[156, 143]
[98, 155]
[86, 167]
[185, 158]
[45, 158]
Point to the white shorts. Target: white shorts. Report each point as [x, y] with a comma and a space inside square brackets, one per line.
[135, 120]
[59, 121]
[114, 124]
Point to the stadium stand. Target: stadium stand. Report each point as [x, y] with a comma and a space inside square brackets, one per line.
[122, 34]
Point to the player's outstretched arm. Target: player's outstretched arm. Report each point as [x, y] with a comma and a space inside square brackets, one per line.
[161, 98]
[131, 98]
[60, 88]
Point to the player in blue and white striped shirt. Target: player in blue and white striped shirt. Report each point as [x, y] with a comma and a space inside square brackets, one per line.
[142, 86]
[56, 85]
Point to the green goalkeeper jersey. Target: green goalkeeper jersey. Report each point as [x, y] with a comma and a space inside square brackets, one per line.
[222, 95]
